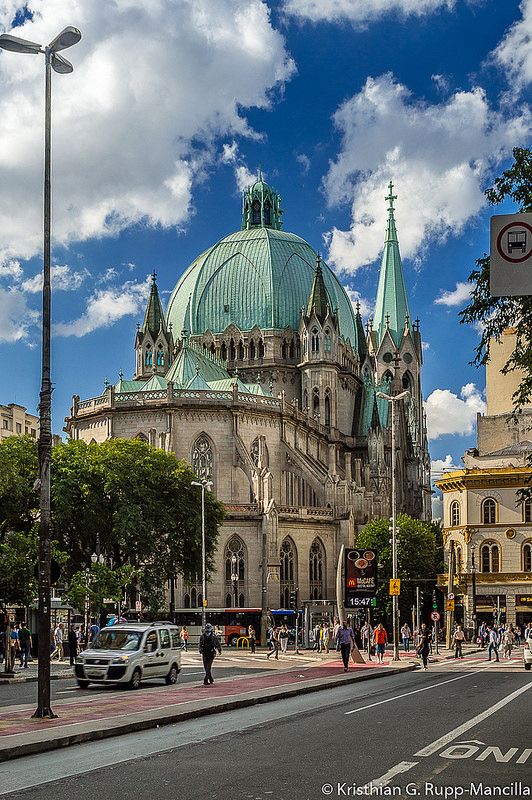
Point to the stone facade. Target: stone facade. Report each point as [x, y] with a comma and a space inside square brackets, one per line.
[285, 421]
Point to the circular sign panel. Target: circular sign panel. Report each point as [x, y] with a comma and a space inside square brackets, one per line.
[435, 616]
[514, 242]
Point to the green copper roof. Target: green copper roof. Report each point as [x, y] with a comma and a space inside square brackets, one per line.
[154, 315]
[190, 362]
[259, 276]
[261, 206]
[319, 299]
[391, 307]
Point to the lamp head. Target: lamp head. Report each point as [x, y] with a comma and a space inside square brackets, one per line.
[61, 65]
[68, 37]
[16, 45]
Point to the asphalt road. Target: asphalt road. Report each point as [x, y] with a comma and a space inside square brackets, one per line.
[21, 693]
[449, 732]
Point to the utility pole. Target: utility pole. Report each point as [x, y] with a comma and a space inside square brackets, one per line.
[449, 615]
[418, 609]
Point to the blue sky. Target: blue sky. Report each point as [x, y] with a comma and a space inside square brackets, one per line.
[171, 108]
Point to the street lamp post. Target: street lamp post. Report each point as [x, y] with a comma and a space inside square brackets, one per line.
[204, 484]
[234, 579]
[67, 38]
[393, 399]
[474, 590]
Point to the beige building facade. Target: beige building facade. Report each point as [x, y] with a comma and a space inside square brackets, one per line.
[487, 526]
[15, 421]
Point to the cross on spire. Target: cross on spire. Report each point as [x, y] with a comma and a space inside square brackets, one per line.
[391, 197]
[153, 276]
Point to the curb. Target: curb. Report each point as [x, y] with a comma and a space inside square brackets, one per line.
[30, 748]
[32, 679]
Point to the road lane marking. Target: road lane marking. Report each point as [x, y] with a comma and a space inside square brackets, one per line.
[415, 691]
[457, 732]
[385, 779]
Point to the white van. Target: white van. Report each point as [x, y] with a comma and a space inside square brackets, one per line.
[127, 653]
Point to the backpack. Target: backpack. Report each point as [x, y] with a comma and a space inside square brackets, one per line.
[209, 645]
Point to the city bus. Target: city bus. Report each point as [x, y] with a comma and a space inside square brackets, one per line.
[233, 622]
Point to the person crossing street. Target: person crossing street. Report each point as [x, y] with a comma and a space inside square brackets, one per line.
[345, 641]
[209, 644]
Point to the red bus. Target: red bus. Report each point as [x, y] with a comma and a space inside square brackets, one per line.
[233, 622]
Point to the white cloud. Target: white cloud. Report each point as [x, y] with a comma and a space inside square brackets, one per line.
[439, 465]
[425, 345]
[361, 12]
[105, 307]
[449, 414]
[15, 316]
[11, 269]
[244, 177]
[438, 156]
[367, 307]
[456, 297]
[155, 84]
[304, 160]
[62, 278]
[514, 52]
[229, 152]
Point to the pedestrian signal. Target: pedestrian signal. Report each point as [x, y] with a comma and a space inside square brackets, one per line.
[293, 600]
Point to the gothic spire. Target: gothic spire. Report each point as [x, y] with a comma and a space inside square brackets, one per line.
[391, 308]
[154, 316]
[319, 299]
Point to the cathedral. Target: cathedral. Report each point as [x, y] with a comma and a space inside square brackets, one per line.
[263, 376]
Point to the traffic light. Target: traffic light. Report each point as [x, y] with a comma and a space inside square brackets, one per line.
[293, 600]
[434, 602]
[374, 602]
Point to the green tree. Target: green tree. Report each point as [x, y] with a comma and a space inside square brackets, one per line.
[19, 467]
[19, 554]
[97, 583]
[417, 557]
[496, 314]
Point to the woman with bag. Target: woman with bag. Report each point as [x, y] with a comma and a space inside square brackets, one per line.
[425, 640]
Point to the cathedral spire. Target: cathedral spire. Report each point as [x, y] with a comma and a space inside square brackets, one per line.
[154, 316]
[319, 299]
[391, 308]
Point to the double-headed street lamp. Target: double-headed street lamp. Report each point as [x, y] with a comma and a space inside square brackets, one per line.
[69, 36]
[393, 399]
[204, 484]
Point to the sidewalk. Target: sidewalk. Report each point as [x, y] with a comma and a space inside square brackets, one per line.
[58, 669]
[85, 718]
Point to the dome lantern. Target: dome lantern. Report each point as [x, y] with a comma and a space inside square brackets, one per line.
[261, 206]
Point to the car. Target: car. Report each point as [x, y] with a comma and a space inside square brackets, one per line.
[527, 653]
[129, 653]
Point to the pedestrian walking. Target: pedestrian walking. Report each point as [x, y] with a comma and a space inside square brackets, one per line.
[508, 641]
[24, 636]
[345, 641]
[15, 647]
[423, 649]
[209, 644]
[317, 636]
[493, 643]
[380, 639]
[325, 637]
[275, 643]
[252, 636]
[283, 638]
[406, 635]
[94, 630]
[517, 635]
[72, 644]
[458, 640]
[58, 641]
[184, 636]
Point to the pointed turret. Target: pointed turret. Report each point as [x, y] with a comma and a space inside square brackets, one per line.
[361, 334]
[154, 316]
[261, 206]
[391, 308]
[319, 299]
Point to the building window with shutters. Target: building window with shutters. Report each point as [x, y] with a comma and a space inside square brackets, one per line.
[490, 557]
[489, 511]
[455, 513]
[527, 557]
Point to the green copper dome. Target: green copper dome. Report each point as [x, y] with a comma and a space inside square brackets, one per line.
[256, 276]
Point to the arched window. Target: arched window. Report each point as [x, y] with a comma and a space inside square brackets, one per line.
[316, 402]
[489, 511]
[291, 351]
[240, 351]
[527, 557]
[213, 350]
[327, 407]
[261, 348]
[193, 597]
[255, 213]
[315, 341]
[288, 573]
[160, 357]
[223, 352]
[267, 213]
[305, 400]
[455, 513]
[202, 458]
[235, 559]
[148, 357]
[317, 570]
[186, 600]
[284, 349]
[407, 381]
[490, 557]
[232, 350]
[252, 350]
[388, 377]
[527, 510]
[327, 341]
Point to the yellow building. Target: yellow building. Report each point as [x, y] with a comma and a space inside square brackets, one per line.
[15, 421]
[486, 526]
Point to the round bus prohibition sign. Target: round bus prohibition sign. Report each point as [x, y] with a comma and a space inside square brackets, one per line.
[514, 238]
[435, 616]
